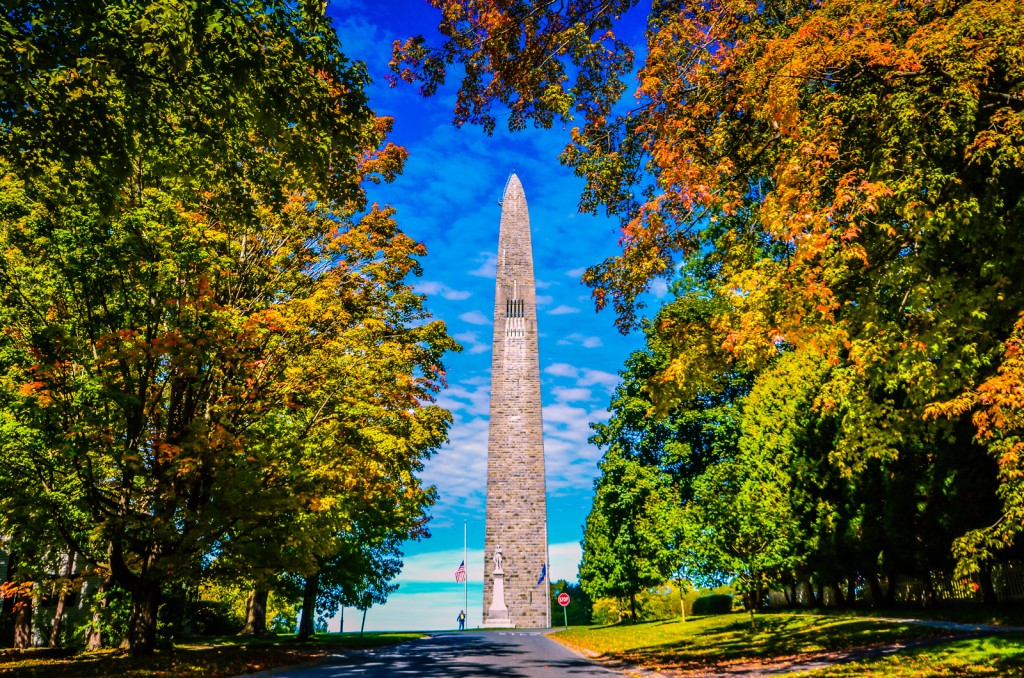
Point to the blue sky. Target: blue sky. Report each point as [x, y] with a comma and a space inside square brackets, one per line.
[448, 198]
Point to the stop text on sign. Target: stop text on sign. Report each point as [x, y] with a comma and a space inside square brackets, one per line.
[563, 599]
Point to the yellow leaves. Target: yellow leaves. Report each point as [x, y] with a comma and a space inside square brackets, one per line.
[953, 408]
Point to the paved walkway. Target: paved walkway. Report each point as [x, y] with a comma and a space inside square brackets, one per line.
[470, 654]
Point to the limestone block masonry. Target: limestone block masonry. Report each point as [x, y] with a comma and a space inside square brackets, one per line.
[516, 503]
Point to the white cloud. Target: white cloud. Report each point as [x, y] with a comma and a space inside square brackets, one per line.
[593, 377]
[439, 566]
[488, 265]
[562, 370]
[475, 318]
[544, 299]
[583, 376]
[459, 470]
[543, 284]
[576, 272]
[577, 338]
[565, 560]
[471, 342]
[570, 461]
[463, 397]
[571, 395]
[562, 417]
[430, 287]
[562, 309]
[659, 288]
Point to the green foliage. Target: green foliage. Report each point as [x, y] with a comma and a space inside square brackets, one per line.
[847, 176]
[209, 344]
[580, 608]
[758, 461]
[606, 611]
[628, 535]
[109, 614]
[232, 599]
[214, 618]
[656, 603]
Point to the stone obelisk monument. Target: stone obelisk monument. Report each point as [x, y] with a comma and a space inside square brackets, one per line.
[516, 536]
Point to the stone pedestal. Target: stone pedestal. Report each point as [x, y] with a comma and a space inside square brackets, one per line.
[497, 613]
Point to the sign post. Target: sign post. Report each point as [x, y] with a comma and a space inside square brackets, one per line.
[563, 600]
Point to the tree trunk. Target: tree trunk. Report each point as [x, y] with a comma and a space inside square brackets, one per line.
[309, 594]
[837, 591]
[142, 626]
[20, 603]
[805, 585]
[341, 626]
[256, 611]
[22, 622]
[682, 603]
[94, 638]
[890, 592]
[820, 594]
[632, 608]
[928, 599]
[58, 614]
[851, 592]
[363, 625]
[988, 589]
[877, 599]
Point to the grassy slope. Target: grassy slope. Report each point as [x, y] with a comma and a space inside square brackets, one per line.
[994, 656]
[705, 643]
[219, 657]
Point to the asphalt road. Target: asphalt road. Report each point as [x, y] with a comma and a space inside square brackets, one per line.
[499, 654]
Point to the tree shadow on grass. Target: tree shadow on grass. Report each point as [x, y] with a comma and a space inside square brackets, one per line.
[775, 637]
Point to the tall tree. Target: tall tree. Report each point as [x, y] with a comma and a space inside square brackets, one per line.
[876, 144]
[180, 194]
[629, 534]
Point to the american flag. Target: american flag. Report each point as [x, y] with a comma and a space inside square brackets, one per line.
[460, 574]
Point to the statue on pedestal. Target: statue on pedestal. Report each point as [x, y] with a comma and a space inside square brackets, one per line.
[497, 613]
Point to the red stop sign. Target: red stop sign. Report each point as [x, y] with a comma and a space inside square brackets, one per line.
[563, 599]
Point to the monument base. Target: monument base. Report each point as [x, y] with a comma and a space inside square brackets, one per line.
[497, 615]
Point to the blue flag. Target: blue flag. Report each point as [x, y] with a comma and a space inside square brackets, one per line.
[543, 573]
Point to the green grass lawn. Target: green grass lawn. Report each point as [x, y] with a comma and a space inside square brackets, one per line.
[703, 643]
[214, 657]
[995, 656]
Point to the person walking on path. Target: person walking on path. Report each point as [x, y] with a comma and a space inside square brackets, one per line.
[462, 620]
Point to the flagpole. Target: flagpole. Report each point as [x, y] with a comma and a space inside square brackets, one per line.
[465, 559]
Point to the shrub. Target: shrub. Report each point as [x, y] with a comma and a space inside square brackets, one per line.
[606, 611]
[717, 603]
[213, 618]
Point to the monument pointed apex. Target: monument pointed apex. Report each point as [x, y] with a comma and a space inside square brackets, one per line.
[513, 186]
